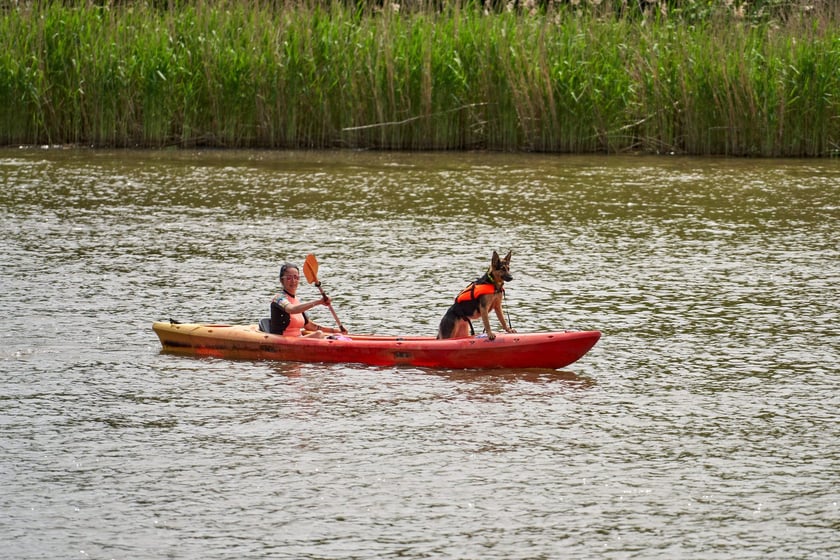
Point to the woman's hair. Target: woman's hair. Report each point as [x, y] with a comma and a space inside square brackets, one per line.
[287, 266]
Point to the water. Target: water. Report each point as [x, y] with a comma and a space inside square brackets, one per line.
[704, 424]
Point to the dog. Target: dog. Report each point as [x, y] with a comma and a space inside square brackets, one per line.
[476, 300]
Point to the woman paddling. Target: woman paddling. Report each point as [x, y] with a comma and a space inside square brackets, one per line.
[288, 315]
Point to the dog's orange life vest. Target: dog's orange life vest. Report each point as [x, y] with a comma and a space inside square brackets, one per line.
[475, 291]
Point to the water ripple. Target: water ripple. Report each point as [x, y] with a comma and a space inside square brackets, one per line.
[703, 424]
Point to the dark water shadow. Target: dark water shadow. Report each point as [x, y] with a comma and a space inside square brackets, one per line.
[503, 375]
[535, 375]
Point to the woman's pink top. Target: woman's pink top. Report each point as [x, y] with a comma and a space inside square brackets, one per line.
[296, 320]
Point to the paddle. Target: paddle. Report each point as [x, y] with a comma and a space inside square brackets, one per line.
[310, 270]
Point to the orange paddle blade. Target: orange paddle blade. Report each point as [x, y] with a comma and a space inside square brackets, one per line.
[310, 268]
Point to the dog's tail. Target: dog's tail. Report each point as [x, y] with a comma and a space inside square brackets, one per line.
[447, 326]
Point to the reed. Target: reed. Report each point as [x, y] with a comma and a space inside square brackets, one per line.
[322, 75]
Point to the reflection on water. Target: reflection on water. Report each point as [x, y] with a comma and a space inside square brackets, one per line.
[500, 377]
[286, 369]
[703, 424]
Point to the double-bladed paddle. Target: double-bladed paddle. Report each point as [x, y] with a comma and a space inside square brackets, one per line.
[310, 270]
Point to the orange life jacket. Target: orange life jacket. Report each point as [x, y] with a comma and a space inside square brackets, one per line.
[475, 291]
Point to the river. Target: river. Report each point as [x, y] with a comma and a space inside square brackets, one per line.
[704, 424]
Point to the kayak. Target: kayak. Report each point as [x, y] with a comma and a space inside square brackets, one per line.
[508, 350]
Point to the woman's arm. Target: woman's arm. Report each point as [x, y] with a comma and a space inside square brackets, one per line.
[305, 306]
[310, 326]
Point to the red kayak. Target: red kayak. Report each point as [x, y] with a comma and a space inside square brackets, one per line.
[527, 350]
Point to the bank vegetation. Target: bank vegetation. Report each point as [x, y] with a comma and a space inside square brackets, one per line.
[586, 76]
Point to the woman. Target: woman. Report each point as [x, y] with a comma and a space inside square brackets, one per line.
[288, 315]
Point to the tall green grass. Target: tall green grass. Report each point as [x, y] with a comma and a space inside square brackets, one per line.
[321, 75]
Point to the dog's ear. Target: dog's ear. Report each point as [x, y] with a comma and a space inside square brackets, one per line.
[495, 261]
[507, 257]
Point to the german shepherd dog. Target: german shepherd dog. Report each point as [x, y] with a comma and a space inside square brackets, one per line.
[476, 300]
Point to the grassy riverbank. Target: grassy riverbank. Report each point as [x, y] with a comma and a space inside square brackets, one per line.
[242, 74]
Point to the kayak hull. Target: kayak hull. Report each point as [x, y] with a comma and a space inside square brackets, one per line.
[527, 350]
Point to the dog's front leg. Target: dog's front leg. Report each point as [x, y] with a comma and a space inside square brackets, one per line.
[485, 318]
